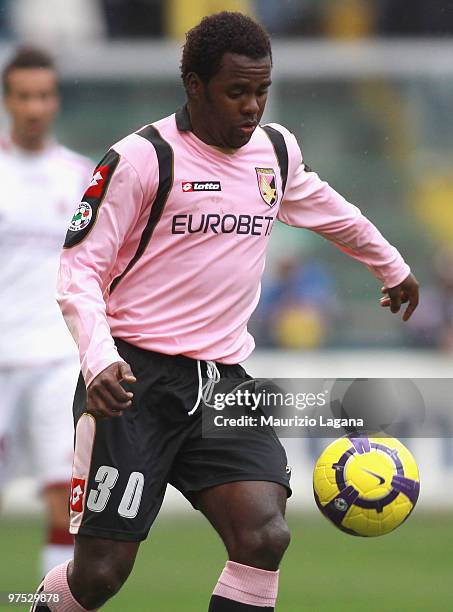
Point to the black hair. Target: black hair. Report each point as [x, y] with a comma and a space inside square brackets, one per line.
[26, 57]
[215, 35]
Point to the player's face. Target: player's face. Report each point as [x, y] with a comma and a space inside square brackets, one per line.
[233, 101]
[32, 101]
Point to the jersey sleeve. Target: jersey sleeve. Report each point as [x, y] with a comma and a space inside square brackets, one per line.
[103, 226]
[311, 203]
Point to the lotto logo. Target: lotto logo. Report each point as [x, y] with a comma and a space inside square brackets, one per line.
[201, 186]
[97, 183]
[77, 493]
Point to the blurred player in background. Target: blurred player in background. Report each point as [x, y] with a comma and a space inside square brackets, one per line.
[40, 181]
[161, 271]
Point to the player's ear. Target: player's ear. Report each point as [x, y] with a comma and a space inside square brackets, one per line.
[194, 85]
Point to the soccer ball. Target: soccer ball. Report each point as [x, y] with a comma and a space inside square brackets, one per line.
[366, 486]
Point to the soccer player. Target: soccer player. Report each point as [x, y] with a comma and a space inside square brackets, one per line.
[39, 181]
[159, 275]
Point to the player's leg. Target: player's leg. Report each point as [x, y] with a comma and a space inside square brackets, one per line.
[239, 478]
[105, 515]
[99, 569]
[249, 517]
[118, 483]
[51, 433]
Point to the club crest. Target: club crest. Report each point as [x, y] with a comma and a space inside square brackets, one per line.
[267, 185]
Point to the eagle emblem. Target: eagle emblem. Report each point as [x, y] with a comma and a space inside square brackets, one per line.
[267, 185]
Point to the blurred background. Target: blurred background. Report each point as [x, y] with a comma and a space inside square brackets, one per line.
[367, 88]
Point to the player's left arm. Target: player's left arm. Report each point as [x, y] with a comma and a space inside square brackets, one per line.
[311, 203]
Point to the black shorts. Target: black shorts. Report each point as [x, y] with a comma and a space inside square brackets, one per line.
[122, 465]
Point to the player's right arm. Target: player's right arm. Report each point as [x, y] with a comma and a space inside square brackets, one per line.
[105, 395]
[101, 240]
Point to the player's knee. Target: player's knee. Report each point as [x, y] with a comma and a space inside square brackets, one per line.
[265, 546]
[99, 581]
[274, 540]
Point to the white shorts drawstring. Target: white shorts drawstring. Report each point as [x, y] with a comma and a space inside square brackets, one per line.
[205, 392]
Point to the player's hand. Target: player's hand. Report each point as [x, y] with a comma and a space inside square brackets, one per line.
[405, 292]
[105, 395]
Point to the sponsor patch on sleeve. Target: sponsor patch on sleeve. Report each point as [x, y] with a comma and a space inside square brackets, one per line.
[77, 494]
[86, 212]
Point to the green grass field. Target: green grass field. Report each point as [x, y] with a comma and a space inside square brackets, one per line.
[324, 570]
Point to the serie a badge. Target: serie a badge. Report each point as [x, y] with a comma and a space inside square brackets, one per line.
[81, 218]
[267, 185]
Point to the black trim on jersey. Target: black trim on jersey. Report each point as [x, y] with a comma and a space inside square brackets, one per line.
[281, 151]
[164, 154]
[92, 203]
[183, 122]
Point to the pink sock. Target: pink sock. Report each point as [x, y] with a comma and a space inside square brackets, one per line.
[248, 585]
[56, 581]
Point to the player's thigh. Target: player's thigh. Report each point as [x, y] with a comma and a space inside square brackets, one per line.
[121, 464]
[249, 506]
[243, 455]
[51, 429]
[249, 517]
[240, 480]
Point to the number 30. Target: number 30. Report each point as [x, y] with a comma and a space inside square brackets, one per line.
[107, 477]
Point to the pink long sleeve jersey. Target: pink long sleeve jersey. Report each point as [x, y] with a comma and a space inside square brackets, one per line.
[167, 248]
